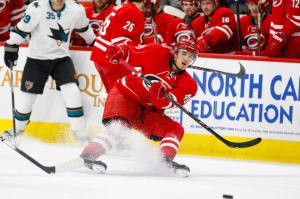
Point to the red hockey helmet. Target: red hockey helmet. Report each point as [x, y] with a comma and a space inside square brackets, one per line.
[148, 2]
[264, 3]
[186, 44]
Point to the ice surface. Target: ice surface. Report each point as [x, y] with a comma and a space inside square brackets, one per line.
[133, 177]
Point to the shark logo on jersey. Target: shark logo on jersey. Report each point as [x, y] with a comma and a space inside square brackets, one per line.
[59, 35]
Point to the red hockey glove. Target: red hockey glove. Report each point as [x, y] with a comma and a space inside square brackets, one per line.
[276, 43]
[115, 52]
[203, 43]
[156, 90]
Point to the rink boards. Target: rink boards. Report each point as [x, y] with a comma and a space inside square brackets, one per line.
[264, 103]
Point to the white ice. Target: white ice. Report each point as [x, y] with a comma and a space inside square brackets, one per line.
[133, 177]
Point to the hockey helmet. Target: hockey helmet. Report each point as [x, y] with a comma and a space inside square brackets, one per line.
[186, 44]
[264, 3]
[155, 2]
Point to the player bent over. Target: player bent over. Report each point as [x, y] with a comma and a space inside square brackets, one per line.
[134, 104]
[49, 24]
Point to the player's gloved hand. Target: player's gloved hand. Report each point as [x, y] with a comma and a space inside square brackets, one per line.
[115, 52]
[203, 43]
[276, 43]
[11, 54]
[245, 52]
[157, 90]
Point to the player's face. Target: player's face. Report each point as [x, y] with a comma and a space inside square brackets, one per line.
[189, 8]
[208, 7]
[100, 4]
[183, 59]
[253, 9]
[147, 11]
[58, 4]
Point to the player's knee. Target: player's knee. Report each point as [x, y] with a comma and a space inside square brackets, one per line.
[26, 102]
[175, 129]
[71, 95]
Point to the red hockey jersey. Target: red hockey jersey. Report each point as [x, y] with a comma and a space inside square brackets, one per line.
[153, 60]
[124, 24]
[286, 18]
[249, 32]
[96, 19]
[222, 27]
[162, 21]
[177, 29]
[11, 11]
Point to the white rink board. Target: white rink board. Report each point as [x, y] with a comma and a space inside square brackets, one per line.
[264, 103]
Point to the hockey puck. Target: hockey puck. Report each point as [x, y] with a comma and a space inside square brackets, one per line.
[227, 196]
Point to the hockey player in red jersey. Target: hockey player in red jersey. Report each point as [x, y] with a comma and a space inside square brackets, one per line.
[132, 103]
[285, 29]
[96, 14]
[216, 31]
[11, 11]
[250, 29]
[157, 24]
[125, 24]
[178, 27]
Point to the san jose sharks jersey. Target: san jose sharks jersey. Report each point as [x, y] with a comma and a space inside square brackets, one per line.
[50, 30]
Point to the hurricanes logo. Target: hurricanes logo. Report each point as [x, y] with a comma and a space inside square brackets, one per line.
[59, 35]
[3, 5]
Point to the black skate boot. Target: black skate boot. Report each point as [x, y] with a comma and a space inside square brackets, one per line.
[92, 164]
[173, 167]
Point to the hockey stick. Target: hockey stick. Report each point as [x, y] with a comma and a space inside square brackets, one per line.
[67, 166]
[154, 24]
[238, 24]
[240, 74]
[180, 14]
[11, 66]
[258, 28]
[226, 142]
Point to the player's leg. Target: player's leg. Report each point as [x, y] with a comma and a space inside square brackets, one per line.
[63, 72]
[33, 82]
[159, 127]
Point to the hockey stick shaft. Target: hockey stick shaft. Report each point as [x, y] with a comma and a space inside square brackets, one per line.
[11, 66]
[180, 14]
[258, 27]
[240, 74]
[64, 167]
[238, 24]
[226, 142]
[154, 24]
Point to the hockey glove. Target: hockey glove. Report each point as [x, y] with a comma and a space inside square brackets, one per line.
[276, 43]
[203, 43]
[115, 52]
[11, 54]
[158, 89]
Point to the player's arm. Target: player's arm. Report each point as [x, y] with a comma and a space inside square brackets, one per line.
[82, 26]
[27, 23]
[225, 27]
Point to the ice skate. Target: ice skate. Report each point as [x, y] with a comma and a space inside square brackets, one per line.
[92, 164]
[11, 137]
[169, 166]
